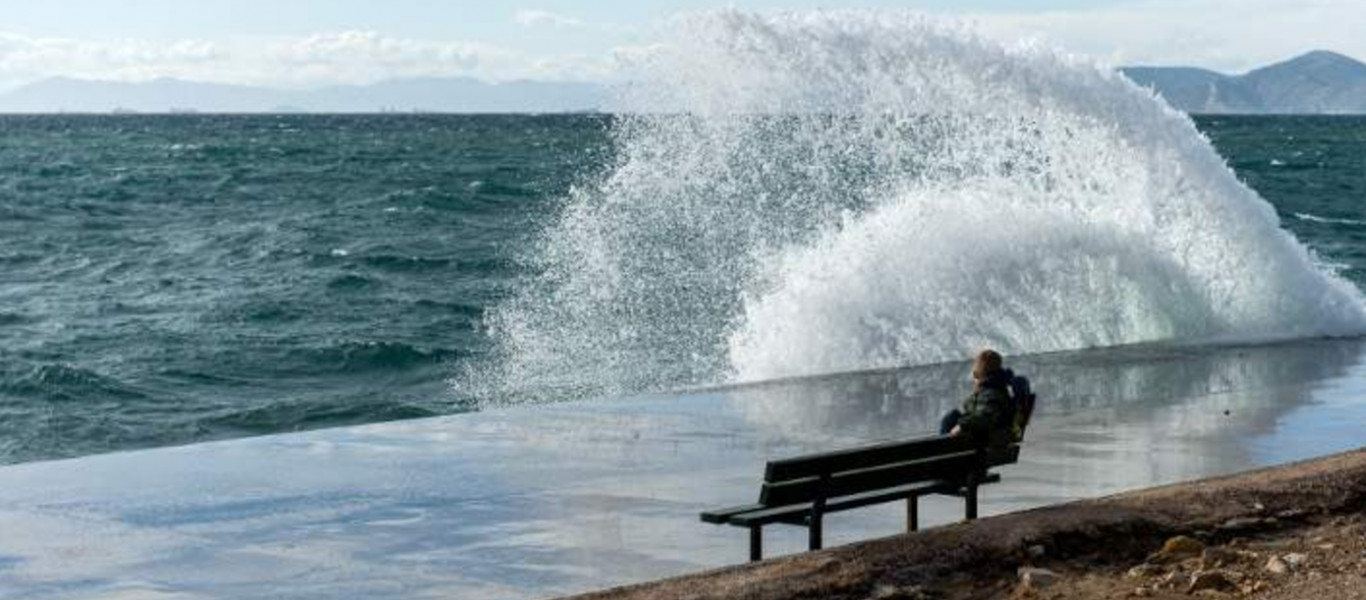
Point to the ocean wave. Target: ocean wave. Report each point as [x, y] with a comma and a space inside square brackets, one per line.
[363, 356]
[68, 383]
[1317, 219]
[804, 193]
[296, 415]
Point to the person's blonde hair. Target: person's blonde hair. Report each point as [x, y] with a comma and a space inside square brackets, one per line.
[988, 362]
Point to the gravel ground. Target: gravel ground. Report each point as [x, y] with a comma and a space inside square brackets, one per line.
[1290, 557]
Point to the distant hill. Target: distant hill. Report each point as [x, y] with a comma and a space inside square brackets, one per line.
[1315, 83]
[1319, 82]
[457, 95]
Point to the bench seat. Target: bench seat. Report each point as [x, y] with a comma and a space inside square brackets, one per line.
[802, 490]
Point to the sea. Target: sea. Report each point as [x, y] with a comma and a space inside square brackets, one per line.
[171, 279]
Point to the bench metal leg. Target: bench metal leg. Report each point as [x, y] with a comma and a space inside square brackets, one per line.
[813, 541]
[912, 513]
[756, 543]
[970, 499]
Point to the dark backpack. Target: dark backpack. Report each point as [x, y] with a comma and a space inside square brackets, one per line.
[1021, 404]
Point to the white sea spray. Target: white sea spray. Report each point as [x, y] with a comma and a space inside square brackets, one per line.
[805, 193]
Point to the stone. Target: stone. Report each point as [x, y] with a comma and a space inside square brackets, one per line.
[1276, 566]
[1214, 557]
[1240, 524]
[1291, 513]
[1178, 548]
[1326, 546]
[1213, 579]
[1034, 578]
[892, 592]
[1295, 559]
[1035, 551]
[1145, 570]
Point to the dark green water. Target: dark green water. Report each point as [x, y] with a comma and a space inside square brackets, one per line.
[172, 279]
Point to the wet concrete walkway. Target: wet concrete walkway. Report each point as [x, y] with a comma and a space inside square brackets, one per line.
[547, 500]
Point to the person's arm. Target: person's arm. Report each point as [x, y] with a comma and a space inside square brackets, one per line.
[981, 412]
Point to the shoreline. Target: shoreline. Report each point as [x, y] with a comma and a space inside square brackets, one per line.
[1092, 540]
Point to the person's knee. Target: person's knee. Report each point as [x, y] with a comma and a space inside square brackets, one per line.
[949, 421]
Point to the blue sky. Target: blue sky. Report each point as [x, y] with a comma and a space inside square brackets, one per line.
[302, 43]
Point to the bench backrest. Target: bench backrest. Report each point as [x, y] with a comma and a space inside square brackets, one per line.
[874, 467]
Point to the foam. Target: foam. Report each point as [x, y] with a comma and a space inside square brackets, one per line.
[806, 193]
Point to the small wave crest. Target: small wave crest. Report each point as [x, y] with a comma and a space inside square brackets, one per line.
[1317, 219]
[68, 383]
[363, 356]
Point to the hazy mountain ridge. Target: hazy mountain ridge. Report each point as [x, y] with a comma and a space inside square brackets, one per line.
[457, 94]
[1320, 82]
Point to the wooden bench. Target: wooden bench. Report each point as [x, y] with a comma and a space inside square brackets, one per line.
[802, 490]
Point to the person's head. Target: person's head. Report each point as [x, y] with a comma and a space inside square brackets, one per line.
[987, 363]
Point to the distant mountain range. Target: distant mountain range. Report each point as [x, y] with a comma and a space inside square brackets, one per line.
[1314, 83]
[1319, 82]
[456, 95]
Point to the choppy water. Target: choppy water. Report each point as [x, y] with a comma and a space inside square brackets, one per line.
[180, 278]
[171, 279]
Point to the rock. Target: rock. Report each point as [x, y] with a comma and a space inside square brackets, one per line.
[1169, 580]
[1035, 551]
[1291, 513]
[1145, 570]
[1178, 548]
[1276, 566]
[1213, 579]
[1295, 559]
[892, 592]
[1034, 578]
[1326, 546]
[1258, 506]
[1240, 524]
[1218, 557]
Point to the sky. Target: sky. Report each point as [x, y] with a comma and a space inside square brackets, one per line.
[311, 43]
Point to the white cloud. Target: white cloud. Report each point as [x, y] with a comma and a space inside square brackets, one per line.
[296, 61]
[366, 56]
[24, 58]
[541, 18]
[1229, 35]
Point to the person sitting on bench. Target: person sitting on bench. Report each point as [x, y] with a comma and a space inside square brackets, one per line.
[988, 414]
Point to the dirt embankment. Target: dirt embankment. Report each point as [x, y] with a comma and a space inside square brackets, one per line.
[1291, 532]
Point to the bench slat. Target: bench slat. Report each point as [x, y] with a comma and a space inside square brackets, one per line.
[721, 515]
[796, 512]
[813, 465]
[953, 466]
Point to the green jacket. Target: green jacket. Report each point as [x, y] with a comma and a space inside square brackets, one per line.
[987, 418]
